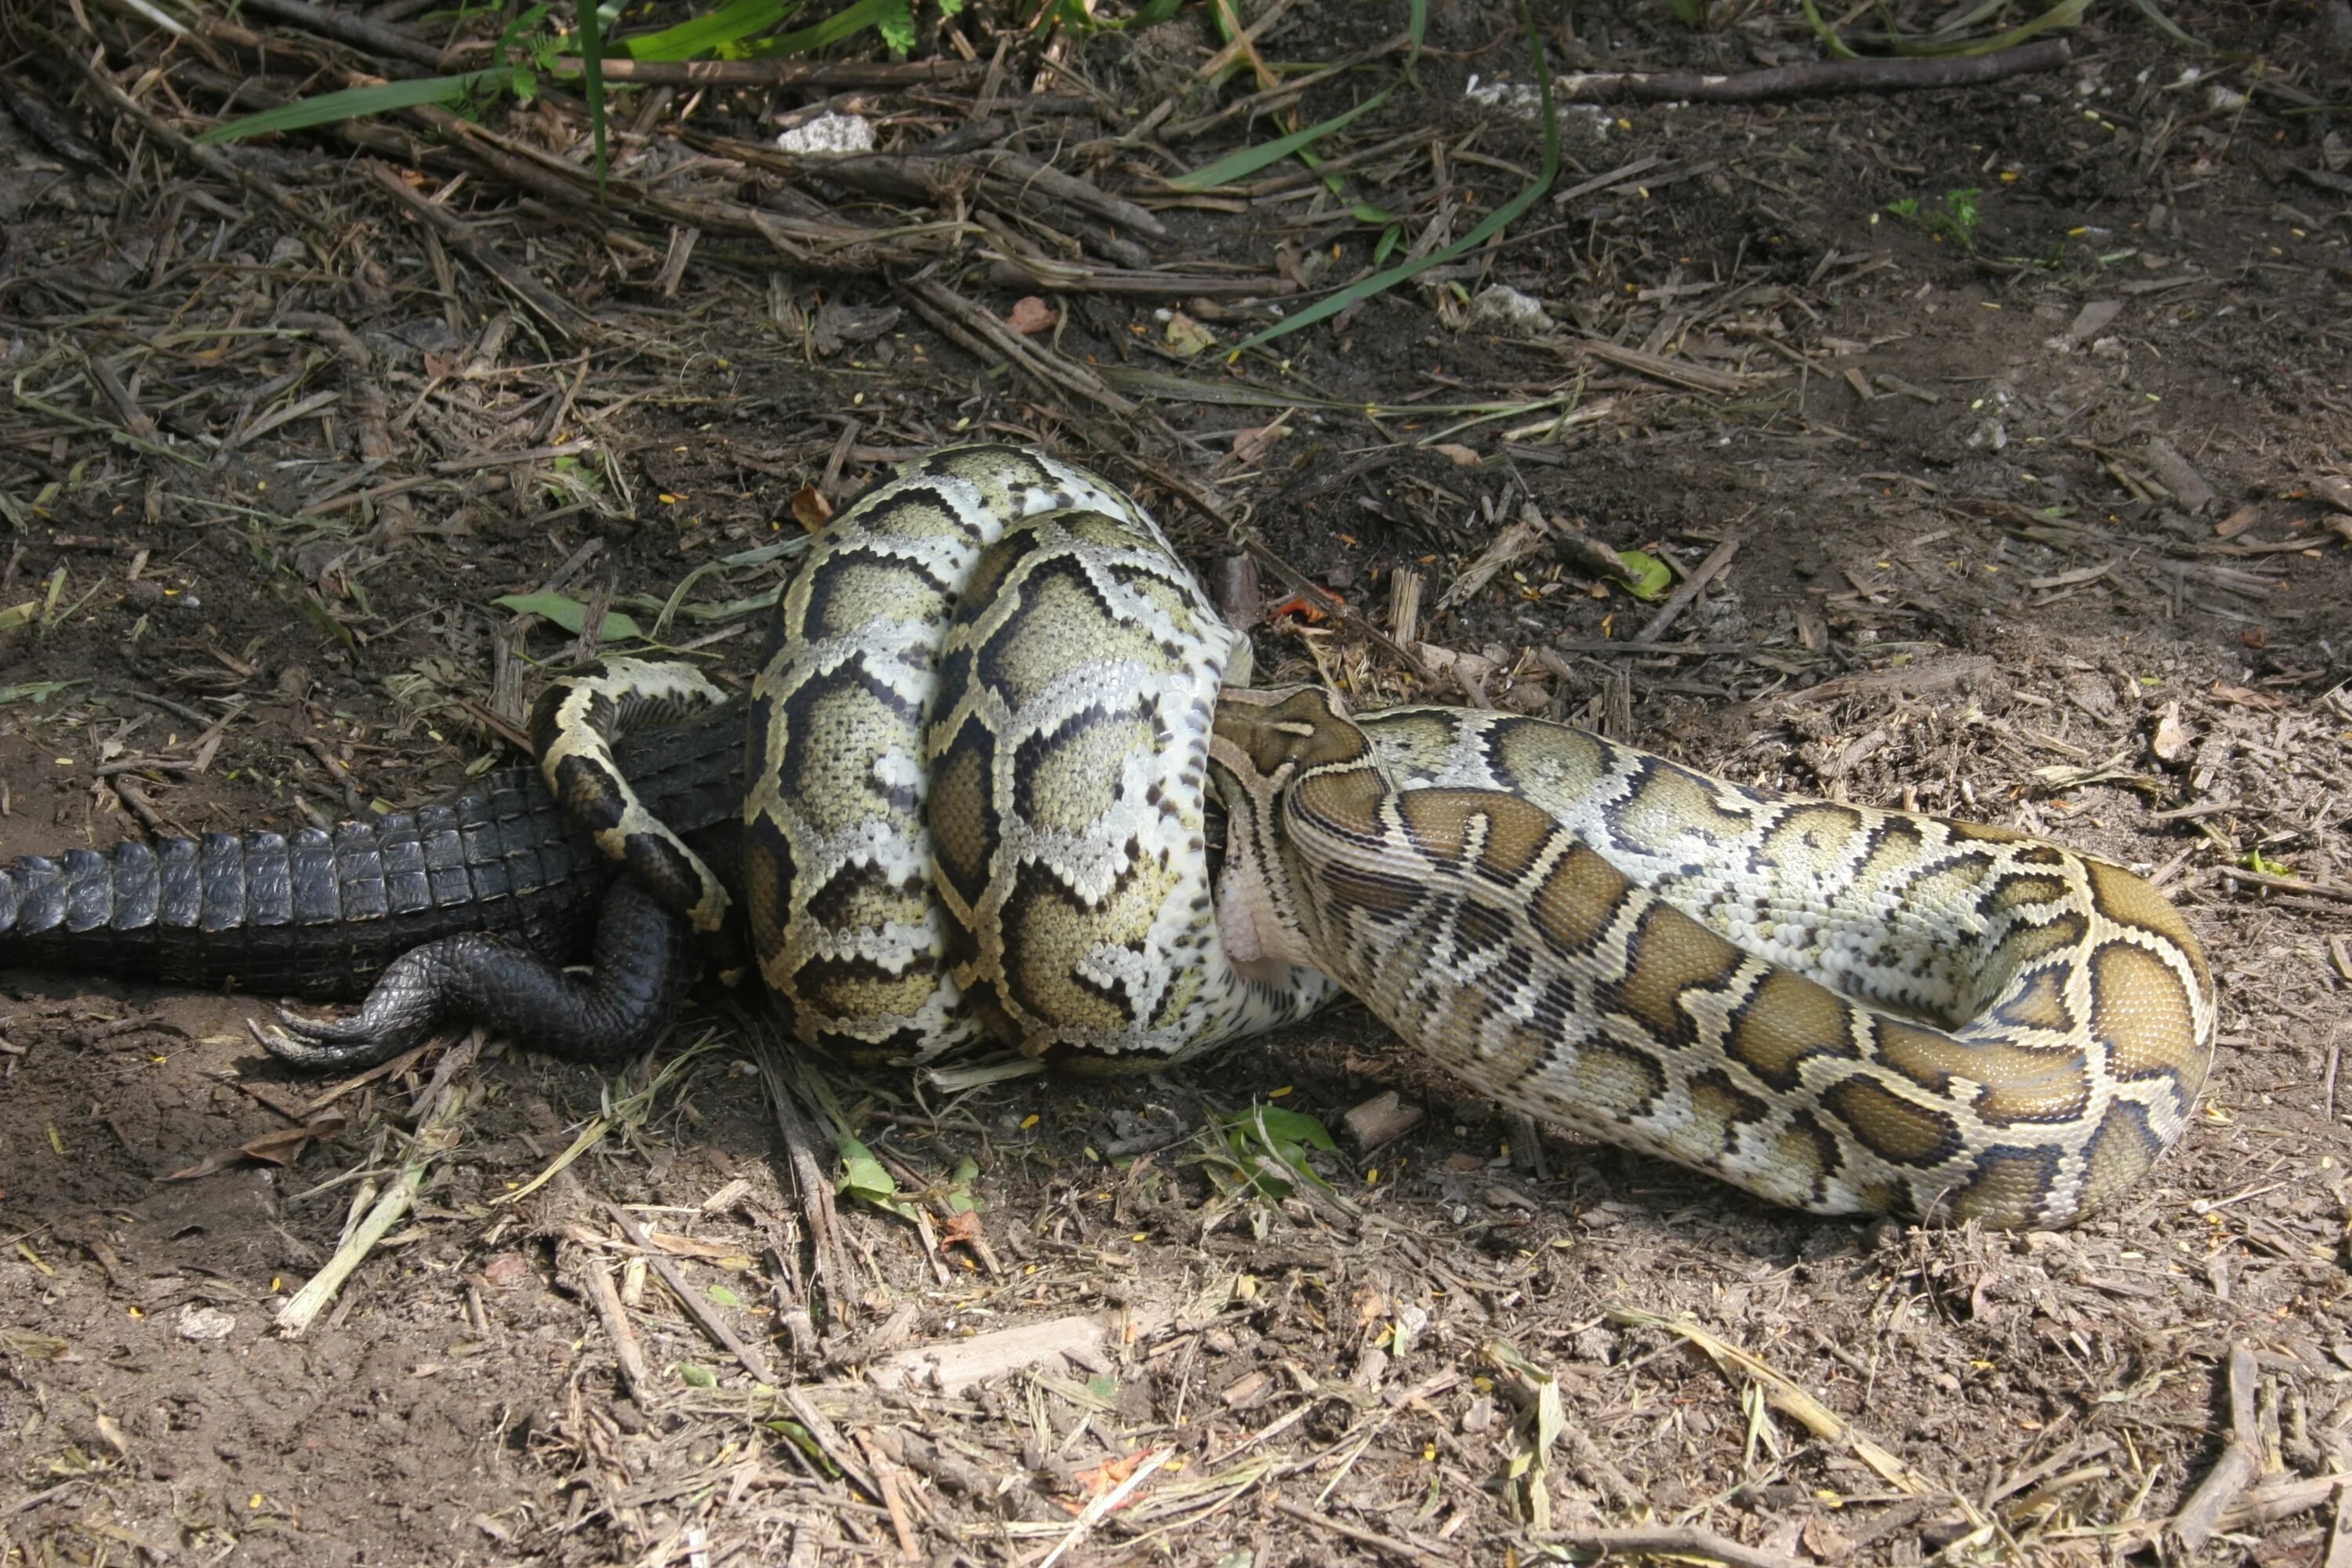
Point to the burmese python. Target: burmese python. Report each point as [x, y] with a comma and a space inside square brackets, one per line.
[979, 756]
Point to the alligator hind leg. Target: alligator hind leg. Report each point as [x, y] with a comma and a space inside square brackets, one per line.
[644, 960]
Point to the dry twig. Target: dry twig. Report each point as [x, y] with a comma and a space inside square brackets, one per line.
[1815, 78]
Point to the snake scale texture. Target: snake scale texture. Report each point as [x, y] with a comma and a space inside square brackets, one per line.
[980, 753]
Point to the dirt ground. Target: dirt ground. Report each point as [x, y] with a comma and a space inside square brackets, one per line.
[2029, 506]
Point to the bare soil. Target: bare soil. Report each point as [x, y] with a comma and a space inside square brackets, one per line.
[2041, 519]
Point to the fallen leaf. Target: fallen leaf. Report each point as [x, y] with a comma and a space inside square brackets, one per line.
[279, 1148]
[1031, 315]
[1443, 662]
[2238, 521]
[1252, 445]
[2170, 741]
[1824, 1539]
[2243, 697]
[1461, 456]
[810, 509]
[1186, 336]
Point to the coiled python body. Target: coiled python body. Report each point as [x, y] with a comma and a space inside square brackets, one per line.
[976, 807]
[1842, 1009]
[1059, 796]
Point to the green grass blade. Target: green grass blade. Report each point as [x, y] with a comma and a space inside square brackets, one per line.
[1838, 48]
[592, 70]
[1250, 160]
[2171, 29]
[352, 102]
[1495, 221]
[831, 30]
[698, 36]
[1947, 42]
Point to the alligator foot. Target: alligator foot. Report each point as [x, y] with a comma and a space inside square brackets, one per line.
[614, 1011]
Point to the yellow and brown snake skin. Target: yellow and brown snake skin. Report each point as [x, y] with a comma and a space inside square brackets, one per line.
[1838, 1008]
[980, 752]
[1065, 780]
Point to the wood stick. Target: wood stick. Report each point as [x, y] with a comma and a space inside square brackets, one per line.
[973, 325]
[1404, 1550]
[1670, 1540]
[777, 73]
[832, 1268]
[837, 1448]
[372, 37]
[2233, 1472]
[437, 1133]
[2339, 1531]
[627, 1351]
[1815, 78]
[1680, 599]
[2288, 884]
[207, 158]
[699, 1310]
[555, 310]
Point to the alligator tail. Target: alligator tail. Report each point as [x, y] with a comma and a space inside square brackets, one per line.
[314, 914]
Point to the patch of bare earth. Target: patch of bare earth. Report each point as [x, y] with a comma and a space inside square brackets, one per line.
[2042, 524]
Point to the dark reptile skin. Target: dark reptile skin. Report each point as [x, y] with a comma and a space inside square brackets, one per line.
[320, 915]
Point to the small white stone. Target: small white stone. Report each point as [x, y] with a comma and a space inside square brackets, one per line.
[200, 1323]
[830, 133]
[1506, 309]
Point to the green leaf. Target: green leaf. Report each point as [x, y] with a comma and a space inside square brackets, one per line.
[1250, 160]
[864, 1177]
[1494, 223]
[353, 102]
[730, 24]
[795, 1434]
[723, 1296]
[1646, 577]
[592, 57]
[1295, 1127]
[831, 30]
[897, 26]
[695, 1376]
[570, 614]
[1387, 246]
[33, 692]
[1270, 1145]
[1189, 337]
[1103, 1385]
[1366, 213]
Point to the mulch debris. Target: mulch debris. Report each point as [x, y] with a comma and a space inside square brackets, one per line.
[1980, 449]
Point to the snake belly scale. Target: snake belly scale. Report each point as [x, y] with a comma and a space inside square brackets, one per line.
[979, 754]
